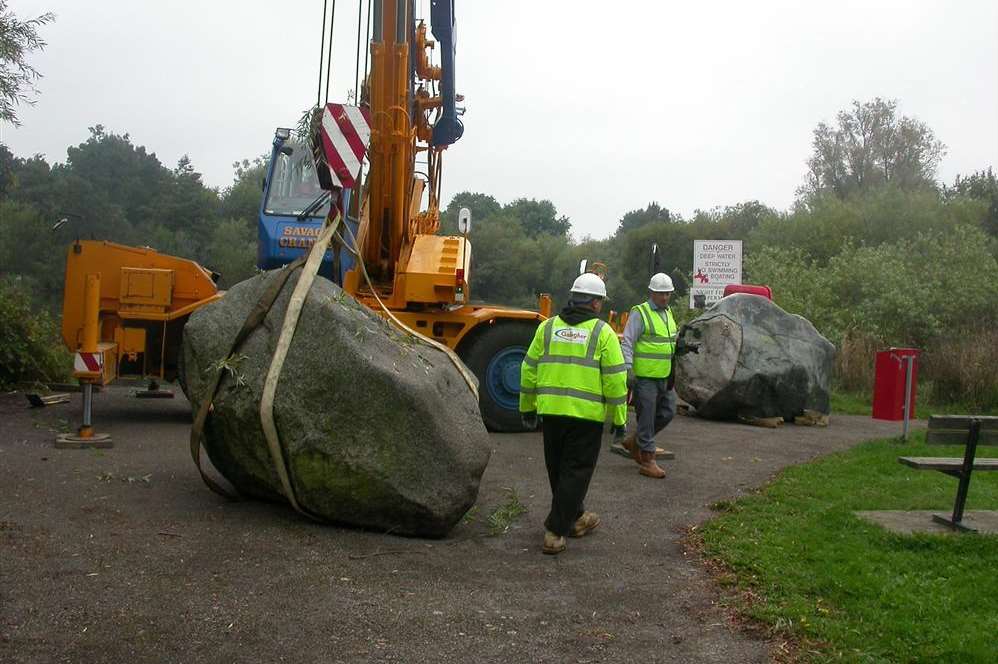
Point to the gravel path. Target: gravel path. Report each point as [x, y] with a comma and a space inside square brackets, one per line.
[123, 555]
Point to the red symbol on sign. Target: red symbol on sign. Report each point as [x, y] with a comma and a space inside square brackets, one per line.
[701, 277]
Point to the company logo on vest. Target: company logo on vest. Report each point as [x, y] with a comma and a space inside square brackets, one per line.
[572, 336]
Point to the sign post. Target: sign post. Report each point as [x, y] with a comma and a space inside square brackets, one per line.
[716, 263]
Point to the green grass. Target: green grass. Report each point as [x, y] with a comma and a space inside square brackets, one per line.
[851, 403]
[850, 591]
[856, 403]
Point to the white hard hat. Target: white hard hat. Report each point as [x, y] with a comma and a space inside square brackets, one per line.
[589, 284]
[661, 283]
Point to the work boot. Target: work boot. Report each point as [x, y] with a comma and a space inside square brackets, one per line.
[553, 543]
[629, 448]
[625, 447]
[585, 524]
[648, 466]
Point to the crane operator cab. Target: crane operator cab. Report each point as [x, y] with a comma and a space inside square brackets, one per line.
[293, 208]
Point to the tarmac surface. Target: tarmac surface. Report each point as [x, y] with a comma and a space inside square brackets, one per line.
[123, 555]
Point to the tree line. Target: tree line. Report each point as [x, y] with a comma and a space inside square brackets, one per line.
[874, 250]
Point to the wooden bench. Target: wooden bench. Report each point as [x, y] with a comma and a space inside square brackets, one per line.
[969, 431]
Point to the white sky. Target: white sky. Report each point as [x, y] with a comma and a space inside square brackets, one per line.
[601, 107]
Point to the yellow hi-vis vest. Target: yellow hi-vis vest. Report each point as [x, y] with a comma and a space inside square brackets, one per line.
[654, 349]
[575, 371]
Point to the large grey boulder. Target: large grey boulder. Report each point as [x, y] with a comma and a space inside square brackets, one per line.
[755, 360]
[378, 430]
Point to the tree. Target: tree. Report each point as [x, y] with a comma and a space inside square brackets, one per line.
[7, 162]
[482, 207]
[18, 39]
[982, 186]
[637, 218]
[741, 219]
[538, 217]
[242, 199]
[232, 251]
[872, 145]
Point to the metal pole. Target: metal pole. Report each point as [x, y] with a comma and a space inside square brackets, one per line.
[908, 370]
[86, 430]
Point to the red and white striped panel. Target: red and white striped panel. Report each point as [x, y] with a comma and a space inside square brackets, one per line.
[88, 362]
[346, 133]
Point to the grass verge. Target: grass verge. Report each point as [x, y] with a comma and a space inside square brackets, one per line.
[859, 403]
[846, 590]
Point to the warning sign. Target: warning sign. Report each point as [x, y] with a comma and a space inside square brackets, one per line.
[716, 263]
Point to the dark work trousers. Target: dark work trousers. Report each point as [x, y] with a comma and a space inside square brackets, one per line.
[655, 406]
[571, 447]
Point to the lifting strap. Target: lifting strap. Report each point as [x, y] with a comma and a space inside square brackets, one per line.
[291, 316]
[253, 320]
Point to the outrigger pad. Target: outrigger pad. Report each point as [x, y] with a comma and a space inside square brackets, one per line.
[71, 441]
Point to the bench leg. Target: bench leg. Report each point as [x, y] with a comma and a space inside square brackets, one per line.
[961, 492]
[955, 525]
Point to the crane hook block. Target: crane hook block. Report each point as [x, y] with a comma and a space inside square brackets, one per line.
[340, 143]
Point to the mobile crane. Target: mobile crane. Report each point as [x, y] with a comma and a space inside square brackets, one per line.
[124, 307]
[393, 215]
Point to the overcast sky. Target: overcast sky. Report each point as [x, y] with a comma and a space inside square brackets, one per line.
[601, 107]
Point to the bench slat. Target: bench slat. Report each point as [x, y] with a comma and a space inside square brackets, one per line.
[946, 463]
[949, 437]
[962, 422]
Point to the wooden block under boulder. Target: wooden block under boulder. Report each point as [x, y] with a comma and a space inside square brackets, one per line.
[767, 422]
[811, 418]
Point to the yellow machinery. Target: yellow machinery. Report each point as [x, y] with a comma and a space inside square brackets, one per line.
[125, 307]
[421, 277]
[123, 312]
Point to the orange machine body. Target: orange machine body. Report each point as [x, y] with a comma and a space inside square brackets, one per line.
[124, 309]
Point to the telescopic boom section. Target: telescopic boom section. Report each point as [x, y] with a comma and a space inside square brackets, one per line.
[392, 149]
[402, 92]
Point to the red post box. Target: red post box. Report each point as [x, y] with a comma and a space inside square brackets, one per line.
[889, 383]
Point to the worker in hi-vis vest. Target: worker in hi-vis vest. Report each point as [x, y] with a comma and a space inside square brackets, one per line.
[572, 376]
[649, 347]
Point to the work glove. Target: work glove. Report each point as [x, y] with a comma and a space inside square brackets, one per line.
[618, 431]
[670, 383]
[631, 379]
[529, 420]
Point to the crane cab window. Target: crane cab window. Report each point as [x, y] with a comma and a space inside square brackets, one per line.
[294, 184]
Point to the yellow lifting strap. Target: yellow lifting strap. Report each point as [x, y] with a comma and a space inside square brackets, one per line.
[291, 316]
[253, 320]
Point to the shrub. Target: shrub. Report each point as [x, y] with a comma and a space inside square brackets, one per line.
[962, 369]
[937, 291]
[854, 362]
[30, 348]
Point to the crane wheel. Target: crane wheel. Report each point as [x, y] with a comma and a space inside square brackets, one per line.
[494, 356]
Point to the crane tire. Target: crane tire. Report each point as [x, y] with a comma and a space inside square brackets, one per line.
[494, 356]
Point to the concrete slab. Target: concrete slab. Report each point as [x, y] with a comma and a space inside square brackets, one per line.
[908, 523]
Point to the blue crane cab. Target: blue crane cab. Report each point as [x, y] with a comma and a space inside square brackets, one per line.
[293, 208]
